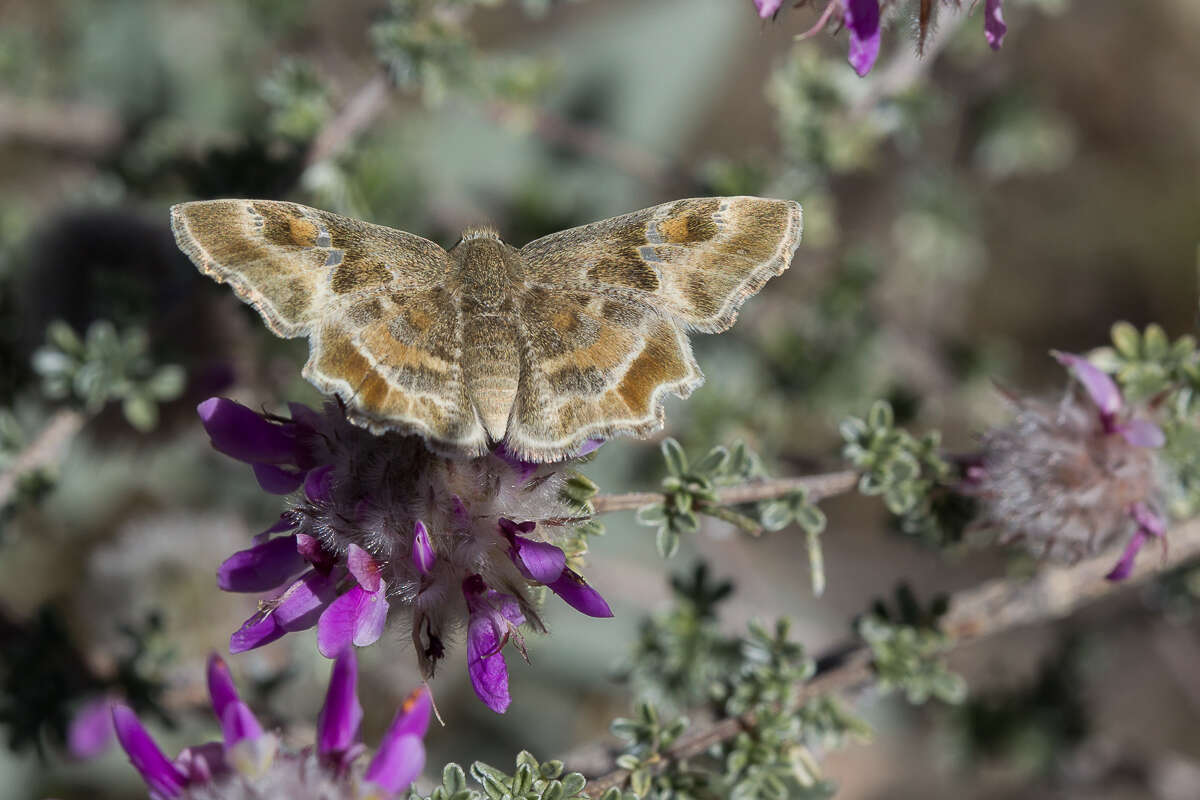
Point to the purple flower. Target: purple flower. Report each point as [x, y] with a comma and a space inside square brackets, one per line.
[547, 564]
[91, 729]
[164, 778]
[263, 567]
[767, 8]
[493, 620]
[861, 17]
[401, 754]
[1068, 478]
[423, 556]
[380, 525]
[251, 762]
[337, 726]
[993, 24]
[275, 450]
[1148, 524]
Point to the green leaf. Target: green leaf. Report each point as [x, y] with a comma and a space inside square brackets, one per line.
[453, 778]
[677, 463]
[63, 336]
[553, 791]
[714, 462]
[639, 781]
[774, 515]
[573, 783]
[141, 412]
[652, 515]
[880, 417]
[667, 541]
[1155, 344]
[852, 429]
[167, 382]
[1126, 339]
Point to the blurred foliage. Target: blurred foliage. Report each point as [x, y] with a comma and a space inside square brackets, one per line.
[682, 660]
[917, 484]
[691, 489]
[44, 678]
[907, 649]
[1033, 727]
[104, 367]
[530, 780]
[1164, 376]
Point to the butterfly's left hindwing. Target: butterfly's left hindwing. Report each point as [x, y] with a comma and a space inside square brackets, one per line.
[383, 333]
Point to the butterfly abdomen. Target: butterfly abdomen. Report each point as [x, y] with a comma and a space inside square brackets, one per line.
[486, 274]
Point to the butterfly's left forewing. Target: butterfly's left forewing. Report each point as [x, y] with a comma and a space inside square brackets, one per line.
[609, 304]
[383, 333]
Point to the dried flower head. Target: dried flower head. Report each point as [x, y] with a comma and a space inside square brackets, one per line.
[862, 18]
[1074, 478]
[252, 763]
[383, 527]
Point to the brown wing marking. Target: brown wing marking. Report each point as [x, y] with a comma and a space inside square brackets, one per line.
[696, 260]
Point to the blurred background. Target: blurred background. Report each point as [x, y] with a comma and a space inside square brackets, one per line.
[964, 213]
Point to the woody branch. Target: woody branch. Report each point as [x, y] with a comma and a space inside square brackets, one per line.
[991, 608]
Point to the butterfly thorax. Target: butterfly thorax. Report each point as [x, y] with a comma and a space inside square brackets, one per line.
[485, 271]
[487, 278]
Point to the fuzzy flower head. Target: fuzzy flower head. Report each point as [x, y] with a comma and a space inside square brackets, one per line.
[381, 529]
[250, 762]
[861, 19]
[1071, 479]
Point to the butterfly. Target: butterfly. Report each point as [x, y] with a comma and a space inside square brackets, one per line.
[577, 335]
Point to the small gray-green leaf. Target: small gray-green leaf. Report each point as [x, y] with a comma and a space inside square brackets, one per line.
[141, 412]
[667, 541]
[677, 463]
[1126, 339]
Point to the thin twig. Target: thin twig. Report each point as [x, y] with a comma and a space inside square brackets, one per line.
[992, 607]
[818, 487]
[85, 130]
[587, 140]
[355, 117]
[46, 450]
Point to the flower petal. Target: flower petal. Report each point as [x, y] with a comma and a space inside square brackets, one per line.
[357, 617]
[1148, 520]
[341, 716]
[1125, 565]
[299, 607]
[364, 568]
[201, 762]
[589, 447]
[993, 24]
[163, 777]
[221, 688]
[262, 567]
[574, 590]
[319, 483]
[486, 665]
[862, 18]
[260, 629]
[243, 434]
[314, 552]
[1142, 433]
[237, 723]
[1099, 386]
[396, 764]
[423, 555]
[275, 480]
[91, 729]
[767, 8]
[539, 561]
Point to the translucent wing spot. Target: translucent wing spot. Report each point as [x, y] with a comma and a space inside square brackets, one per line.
[648, 253]
[334, 258]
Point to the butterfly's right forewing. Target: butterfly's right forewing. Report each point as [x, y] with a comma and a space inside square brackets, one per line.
[384, 335]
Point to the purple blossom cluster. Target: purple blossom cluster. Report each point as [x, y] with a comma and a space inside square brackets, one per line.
[862, 19]
[382, 527]
[1071, 479]
[250, 762]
